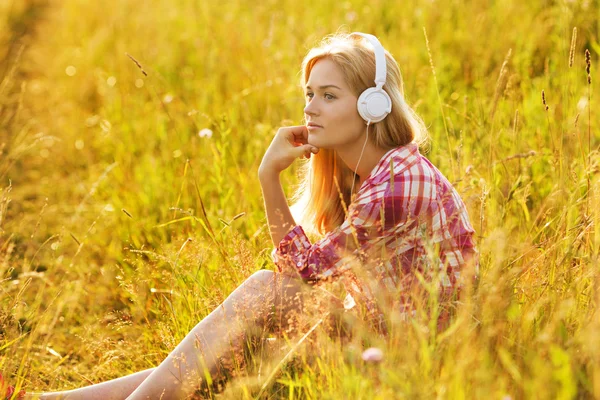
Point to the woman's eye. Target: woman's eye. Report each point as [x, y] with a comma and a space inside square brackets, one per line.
[326, 95]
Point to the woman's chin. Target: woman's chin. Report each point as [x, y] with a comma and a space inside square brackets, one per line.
[318, 144]
[313, 141]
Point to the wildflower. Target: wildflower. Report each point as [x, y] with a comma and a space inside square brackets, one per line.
[372, 354]
[207, 133]
[349, 302]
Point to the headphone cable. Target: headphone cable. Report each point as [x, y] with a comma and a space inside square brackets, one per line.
[359, 158]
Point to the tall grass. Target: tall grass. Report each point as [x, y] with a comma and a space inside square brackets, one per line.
[121, 226]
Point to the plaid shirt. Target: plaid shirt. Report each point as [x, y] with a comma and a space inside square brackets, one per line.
[404, 212]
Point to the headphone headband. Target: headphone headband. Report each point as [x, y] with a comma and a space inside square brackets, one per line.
[374, 104]
[380, 64]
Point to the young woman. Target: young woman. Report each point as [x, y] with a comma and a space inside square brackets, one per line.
[389, 219]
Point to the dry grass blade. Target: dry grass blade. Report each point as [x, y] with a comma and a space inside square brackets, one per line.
[437, 88]
[536, 224]
[75, 239]
[127, 213]
[137, 63]
[572, 48]
[500, 83]
[285, 359]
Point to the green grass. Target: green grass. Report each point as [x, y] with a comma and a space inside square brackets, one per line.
[98, 199]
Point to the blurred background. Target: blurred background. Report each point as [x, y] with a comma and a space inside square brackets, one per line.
[130, 138]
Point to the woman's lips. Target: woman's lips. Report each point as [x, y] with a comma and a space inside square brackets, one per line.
[313, 127]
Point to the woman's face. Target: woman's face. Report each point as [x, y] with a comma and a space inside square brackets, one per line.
[331, 104]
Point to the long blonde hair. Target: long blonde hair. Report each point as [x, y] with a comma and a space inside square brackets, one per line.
[317, 201]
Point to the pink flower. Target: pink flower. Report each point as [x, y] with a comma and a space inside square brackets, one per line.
[372, 354]
[207, 133]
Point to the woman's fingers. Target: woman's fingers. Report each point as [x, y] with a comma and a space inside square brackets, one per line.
[289, 143]
[311, 150]
[299, 133]
[307, 150]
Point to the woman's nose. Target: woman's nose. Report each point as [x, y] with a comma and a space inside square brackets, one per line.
[309, 109]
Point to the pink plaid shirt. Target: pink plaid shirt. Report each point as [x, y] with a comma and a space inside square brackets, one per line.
[404, 208]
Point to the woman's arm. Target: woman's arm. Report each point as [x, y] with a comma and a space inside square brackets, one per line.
[279, 217]
[382, 214]
[289, 143]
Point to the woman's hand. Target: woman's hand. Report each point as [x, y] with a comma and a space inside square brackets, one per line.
[289, 143]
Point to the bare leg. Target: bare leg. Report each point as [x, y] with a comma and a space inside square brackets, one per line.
[220, 336]
[116, 389]
[261, 299]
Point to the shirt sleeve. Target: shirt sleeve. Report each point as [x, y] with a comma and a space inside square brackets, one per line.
[328, 256]
[383, 215]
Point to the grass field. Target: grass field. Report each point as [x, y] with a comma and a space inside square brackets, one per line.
[106, 167]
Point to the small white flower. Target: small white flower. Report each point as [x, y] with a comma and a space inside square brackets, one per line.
[168, 98]
[582, 104]
[207, 133]
[372, 354]
[349, 302]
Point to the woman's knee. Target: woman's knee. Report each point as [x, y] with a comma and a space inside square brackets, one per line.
[281, 294]
[282, 286]
[261, 284]
[263, 276]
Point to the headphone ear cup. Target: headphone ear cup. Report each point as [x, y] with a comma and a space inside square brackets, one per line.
[374, 104]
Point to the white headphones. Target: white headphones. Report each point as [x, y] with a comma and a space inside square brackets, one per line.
[374, 104]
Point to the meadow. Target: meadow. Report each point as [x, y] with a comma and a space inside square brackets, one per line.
[131, 135]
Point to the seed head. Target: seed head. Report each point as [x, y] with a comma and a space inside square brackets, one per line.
[544, 100]
[588, 65]
[137, 63]
[572, 49]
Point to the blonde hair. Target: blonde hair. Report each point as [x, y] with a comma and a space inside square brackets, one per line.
[317, 201]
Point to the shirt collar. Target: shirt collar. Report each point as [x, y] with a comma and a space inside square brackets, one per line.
[401, 157]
